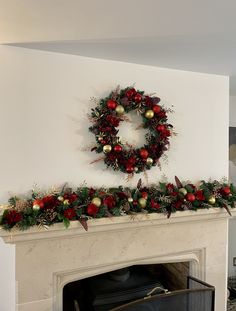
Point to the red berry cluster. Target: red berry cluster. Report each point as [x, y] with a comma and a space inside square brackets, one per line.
[106, 119]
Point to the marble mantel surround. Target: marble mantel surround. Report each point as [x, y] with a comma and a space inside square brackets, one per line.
[46, 260]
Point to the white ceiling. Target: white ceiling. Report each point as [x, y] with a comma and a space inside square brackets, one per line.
[196, 35]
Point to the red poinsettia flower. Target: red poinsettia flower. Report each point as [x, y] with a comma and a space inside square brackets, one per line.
[113, 120]
[109, 201]
[49, 202]
[199, 195]
[130, 93]
[91, 192]
[165, 133]
[13, 217]
[131, 160]
[72, 197]
[162, 115]
[69, 213]
[92, 209]
[177, 204]
[154, 204]
[170, 188]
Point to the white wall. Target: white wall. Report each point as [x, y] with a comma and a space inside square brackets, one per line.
[44, 127]
[43, 122]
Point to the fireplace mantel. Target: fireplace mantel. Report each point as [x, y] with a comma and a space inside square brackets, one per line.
[46, 260]
[113, 224]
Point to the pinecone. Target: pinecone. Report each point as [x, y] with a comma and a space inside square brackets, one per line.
[21, 205]
[47, 217]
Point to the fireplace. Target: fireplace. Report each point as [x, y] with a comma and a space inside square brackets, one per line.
[117, 288]
[47, 260]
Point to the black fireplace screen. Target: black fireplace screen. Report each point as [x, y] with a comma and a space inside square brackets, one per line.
[199, 296]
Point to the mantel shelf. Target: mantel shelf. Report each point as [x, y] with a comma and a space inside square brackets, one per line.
[112, 224]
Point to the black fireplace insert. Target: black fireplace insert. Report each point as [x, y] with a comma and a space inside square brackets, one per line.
[136, 289]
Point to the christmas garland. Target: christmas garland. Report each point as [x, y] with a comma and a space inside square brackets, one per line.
[85, 203]
[106, 118]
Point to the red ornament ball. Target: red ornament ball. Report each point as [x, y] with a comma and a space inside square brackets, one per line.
[117, 148]
[160, 128]
[190, 197]
[129, 169]
[138, 98]
[92, 209]
[111, 104]
[226, 190]
[156, 108]
[143, 153]
[39, 203]
[144, 195]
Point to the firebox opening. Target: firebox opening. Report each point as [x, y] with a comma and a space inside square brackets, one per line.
[113, 289]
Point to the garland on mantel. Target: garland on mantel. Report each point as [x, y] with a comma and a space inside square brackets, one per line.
[85, 203]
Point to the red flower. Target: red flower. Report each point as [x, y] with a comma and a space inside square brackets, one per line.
[162, 115]
[13, 217]
[170, 187]
[199, 195]
[154, 204]
[130, 93]
[131, 161]
[111, 156]
[69, 213]
[92, 209]
[165, 133]
[71, 197]
[49, 202]
[91, 192]
[113, 120]
[148, 101]
[109, 201]
[177, 204]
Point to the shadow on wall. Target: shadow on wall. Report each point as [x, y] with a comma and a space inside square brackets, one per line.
[232, 154]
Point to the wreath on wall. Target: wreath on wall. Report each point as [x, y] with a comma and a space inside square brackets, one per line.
[106, 118]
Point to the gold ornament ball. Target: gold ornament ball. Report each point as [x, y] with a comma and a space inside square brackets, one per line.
[107, 148]
[149, 161]
[149, 114]
[183, 191]
[36, 207]
[97, 201]
[120, 109]
[142, 202]
[135, 168]
[212, 200]
[130, 200]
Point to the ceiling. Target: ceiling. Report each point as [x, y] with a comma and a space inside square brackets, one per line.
[195, 35]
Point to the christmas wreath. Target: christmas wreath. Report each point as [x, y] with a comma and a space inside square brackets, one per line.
[106, 118]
